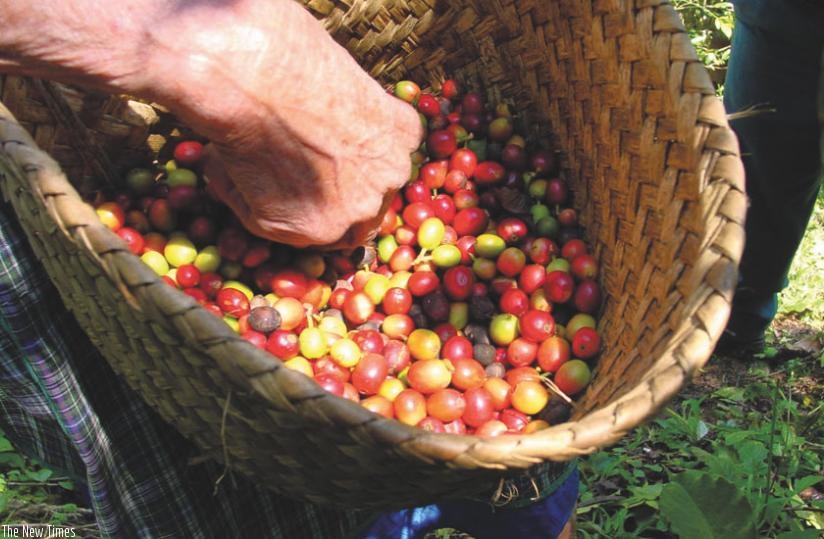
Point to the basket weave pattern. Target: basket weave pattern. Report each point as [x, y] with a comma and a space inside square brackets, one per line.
[657, 181]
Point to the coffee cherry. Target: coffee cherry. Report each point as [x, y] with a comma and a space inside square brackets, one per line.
[447, 321]
[264, 319]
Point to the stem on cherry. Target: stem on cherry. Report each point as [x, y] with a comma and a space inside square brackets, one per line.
[423, 256]
[555, 389]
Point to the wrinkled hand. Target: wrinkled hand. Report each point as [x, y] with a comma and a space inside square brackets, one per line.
[307, 149]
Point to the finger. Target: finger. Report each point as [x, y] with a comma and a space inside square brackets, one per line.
[221, 184]
[408, 123]
[225, 190]
[364, 232]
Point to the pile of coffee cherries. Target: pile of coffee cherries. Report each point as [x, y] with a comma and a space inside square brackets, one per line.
[472, 313]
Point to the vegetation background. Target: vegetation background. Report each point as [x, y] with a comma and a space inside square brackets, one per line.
[738, 455]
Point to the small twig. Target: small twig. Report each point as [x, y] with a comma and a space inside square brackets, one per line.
[25, 512]
[749, 112]
[497, 494]
[600, 500]
[51, 483]
[89, 526]
[226, 465]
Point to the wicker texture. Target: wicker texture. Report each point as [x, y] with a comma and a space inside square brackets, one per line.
[656, 178]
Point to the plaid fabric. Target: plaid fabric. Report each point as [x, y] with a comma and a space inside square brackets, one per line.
[62, 404]
[95, 429]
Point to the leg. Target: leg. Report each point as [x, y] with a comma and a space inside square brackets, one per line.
[569, 528]
[773, 65]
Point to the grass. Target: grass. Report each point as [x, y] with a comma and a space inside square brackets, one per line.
[802, 300]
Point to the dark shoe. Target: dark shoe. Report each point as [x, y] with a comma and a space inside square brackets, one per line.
[730, 345]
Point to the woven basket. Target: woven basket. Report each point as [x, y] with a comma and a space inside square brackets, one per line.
[657, 181]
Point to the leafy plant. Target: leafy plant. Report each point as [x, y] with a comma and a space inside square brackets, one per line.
[690, 503]
[34, 494]
[732, 463]
[710, 25]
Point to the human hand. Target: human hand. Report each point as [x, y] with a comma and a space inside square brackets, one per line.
[307, 148]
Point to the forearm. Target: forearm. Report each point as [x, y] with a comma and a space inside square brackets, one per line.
[157, 49]
[181, 53]
[89, 42]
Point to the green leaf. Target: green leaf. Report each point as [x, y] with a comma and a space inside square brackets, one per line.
[773, 508]
[644, 495]
[735, 394]
[807, 481]
[722, 462]
[706, 457]
[802, 534]
[11, 461]
[684, 515]
[691, 505]
[40, 475]
[67, 484]
[753, 455]
[737, 436]
[647, 492]
[724, 27]
[5, 445]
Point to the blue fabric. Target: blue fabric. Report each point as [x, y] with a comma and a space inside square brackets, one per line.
[775, 63]
[543, 519]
